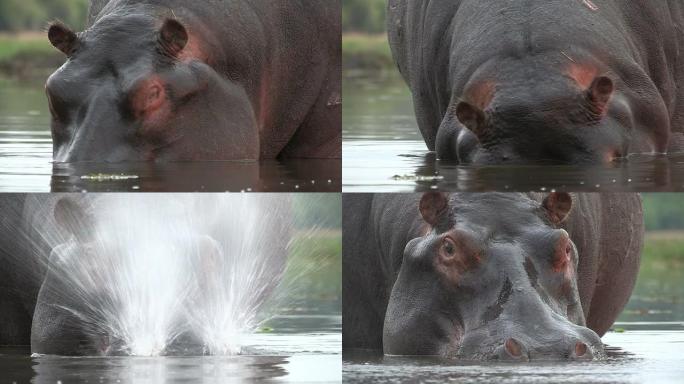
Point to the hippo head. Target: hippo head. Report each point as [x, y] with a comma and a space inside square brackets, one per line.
[108, 291]
[491, 279]
[575, 117]
[140, 88]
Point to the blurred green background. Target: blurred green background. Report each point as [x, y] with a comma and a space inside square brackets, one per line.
[25, 52]
[33, 15]
[364, 42]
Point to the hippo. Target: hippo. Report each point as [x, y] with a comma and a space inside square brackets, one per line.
[573, 82]
[176, 80]
[487, 276]
[67, 295]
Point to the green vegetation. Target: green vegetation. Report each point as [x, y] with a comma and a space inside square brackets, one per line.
[25, 52]
[318, 210]
[364, 43]
[366, 16]
[663, 211]
[363, 51]
[314, 270]
[27, 55]
[25, 15]
[666, 245]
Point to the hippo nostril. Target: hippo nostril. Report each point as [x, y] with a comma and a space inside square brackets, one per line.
[513, 347]
[580, 349]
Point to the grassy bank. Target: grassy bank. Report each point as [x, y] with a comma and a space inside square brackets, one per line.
[665, 246]
[314, 269]
[27, 55]
[367, 52]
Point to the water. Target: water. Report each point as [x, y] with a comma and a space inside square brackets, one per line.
[646, 345]
[384, 152]
[302, 347]
[26, 161]
[258, 287]
[141, 272]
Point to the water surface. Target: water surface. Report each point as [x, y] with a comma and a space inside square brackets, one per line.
[646, 345]
[300, 348]
[384, 152]
[26, 161]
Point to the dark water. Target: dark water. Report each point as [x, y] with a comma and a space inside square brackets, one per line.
[301, 349]
[384, 152]
[26, 161]
[646, 345]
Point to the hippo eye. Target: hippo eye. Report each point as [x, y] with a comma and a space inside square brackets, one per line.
[448, 247]
[563, 255]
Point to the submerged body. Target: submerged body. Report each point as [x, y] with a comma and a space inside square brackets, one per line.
[539, 81]
[487, 276]
[172, 80]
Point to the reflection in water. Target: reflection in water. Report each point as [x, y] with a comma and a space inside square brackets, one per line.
[26, 161]
[267, 176]
[405, 166]
[384, 152]
[646, 345]
[653, 357]
[310, 352]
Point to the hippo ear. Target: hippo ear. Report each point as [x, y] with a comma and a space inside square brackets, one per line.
[62, 38]
[599, 94]
[74, 219]
[432, 206]
[173, 37]
[558, 206]
[471, 116]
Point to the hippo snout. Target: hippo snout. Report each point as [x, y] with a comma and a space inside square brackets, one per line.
[580, 345]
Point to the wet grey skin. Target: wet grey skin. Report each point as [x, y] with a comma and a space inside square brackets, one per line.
[542, 81]
[504, 277]
[173, 80]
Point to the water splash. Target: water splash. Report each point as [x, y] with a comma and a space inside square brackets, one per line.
[159, 274]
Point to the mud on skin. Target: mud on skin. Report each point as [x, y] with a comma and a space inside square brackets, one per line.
[175, 80]
[488, 276]
[539, 81]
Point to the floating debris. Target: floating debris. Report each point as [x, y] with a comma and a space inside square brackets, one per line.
[109, 177]
[416, 178]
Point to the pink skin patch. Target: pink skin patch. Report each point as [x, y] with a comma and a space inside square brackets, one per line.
[562, 257]
[481, 94]
[457, 254]
[151, 105]
[582, 74]
[193, 50]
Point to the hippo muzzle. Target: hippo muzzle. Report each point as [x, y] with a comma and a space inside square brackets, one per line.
[495, 292]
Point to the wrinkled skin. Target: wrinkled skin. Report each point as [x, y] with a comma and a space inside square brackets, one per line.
[21, 272]
[542, 81]
[172, 80]
[487, 276]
